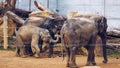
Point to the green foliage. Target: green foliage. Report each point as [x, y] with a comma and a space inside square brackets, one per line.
[9, 48]
[115, 54]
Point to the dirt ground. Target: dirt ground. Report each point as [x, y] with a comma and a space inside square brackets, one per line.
[9, 60]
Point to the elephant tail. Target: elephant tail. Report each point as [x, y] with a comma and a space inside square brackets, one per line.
[62, 51]
[63, 54]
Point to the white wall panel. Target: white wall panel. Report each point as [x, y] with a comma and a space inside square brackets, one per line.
[90, 6]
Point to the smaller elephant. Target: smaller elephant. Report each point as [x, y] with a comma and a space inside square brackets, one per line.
[32, 35]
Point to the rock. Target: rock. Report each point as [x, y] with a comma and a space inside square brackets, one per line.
[91, 67]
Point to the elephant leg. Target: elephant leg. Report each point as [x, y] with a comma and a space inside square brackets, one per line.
[45, 46]
[91, 56]
[17, 51]
[34, 44]
[28, 50]
[88, 57]
[51, 46]
[90, 48]
[41, 50]
[22, 50]
[104, 49]
[73, 58]
[68, 57]
[20, 47]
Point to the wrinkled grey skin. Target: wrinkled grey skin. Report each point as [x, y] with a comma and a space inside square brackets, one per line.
[102, 31]
[31, 35]
[77, 32]
[53, 23]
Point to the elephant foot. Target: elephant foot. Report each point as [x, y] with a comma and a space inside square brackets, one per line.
[37, 56]
[67, 65]
[73, 66]
[24, 56]
[90, 63]
[93, 63]
[105, 61]
[31, 54]
[50, 56]
[17, 55]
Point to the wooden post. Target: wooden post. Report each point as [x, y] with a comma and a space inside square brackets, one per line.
[5, 27]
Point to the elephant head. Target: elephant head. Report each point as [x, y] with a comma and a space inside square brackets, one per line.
[47, 39]
[56, 24]
[101, 23]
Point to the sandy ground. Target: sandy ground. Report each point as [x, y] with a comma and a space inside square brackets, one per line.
[9, 60]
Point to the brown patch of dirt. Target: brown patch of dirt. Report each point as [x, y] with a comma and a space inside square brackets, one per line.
[9, 60]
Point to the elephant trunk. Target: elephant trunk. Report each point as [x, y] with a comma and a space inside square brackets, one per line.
[56, 40]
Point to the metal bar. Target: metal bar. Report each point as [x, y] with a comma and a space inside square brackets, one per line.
[29, 5]
[48, 4]
[57, 6]
[104, 7]
[114, 18]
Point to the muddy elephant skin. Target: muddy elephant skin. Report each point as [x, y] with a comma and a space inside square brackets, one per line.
[77, 32]
[101, 21]
[31, 35]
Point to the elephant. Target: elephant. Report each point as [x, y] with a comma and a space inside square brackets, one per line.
[102, 30]
[77, 32]
[32, 35]
[53, 23]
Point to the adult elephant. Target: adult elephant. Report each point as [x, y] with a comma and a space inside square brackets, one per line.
[77, 32]
[101, 21]
[53, 22]
[32, 35]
